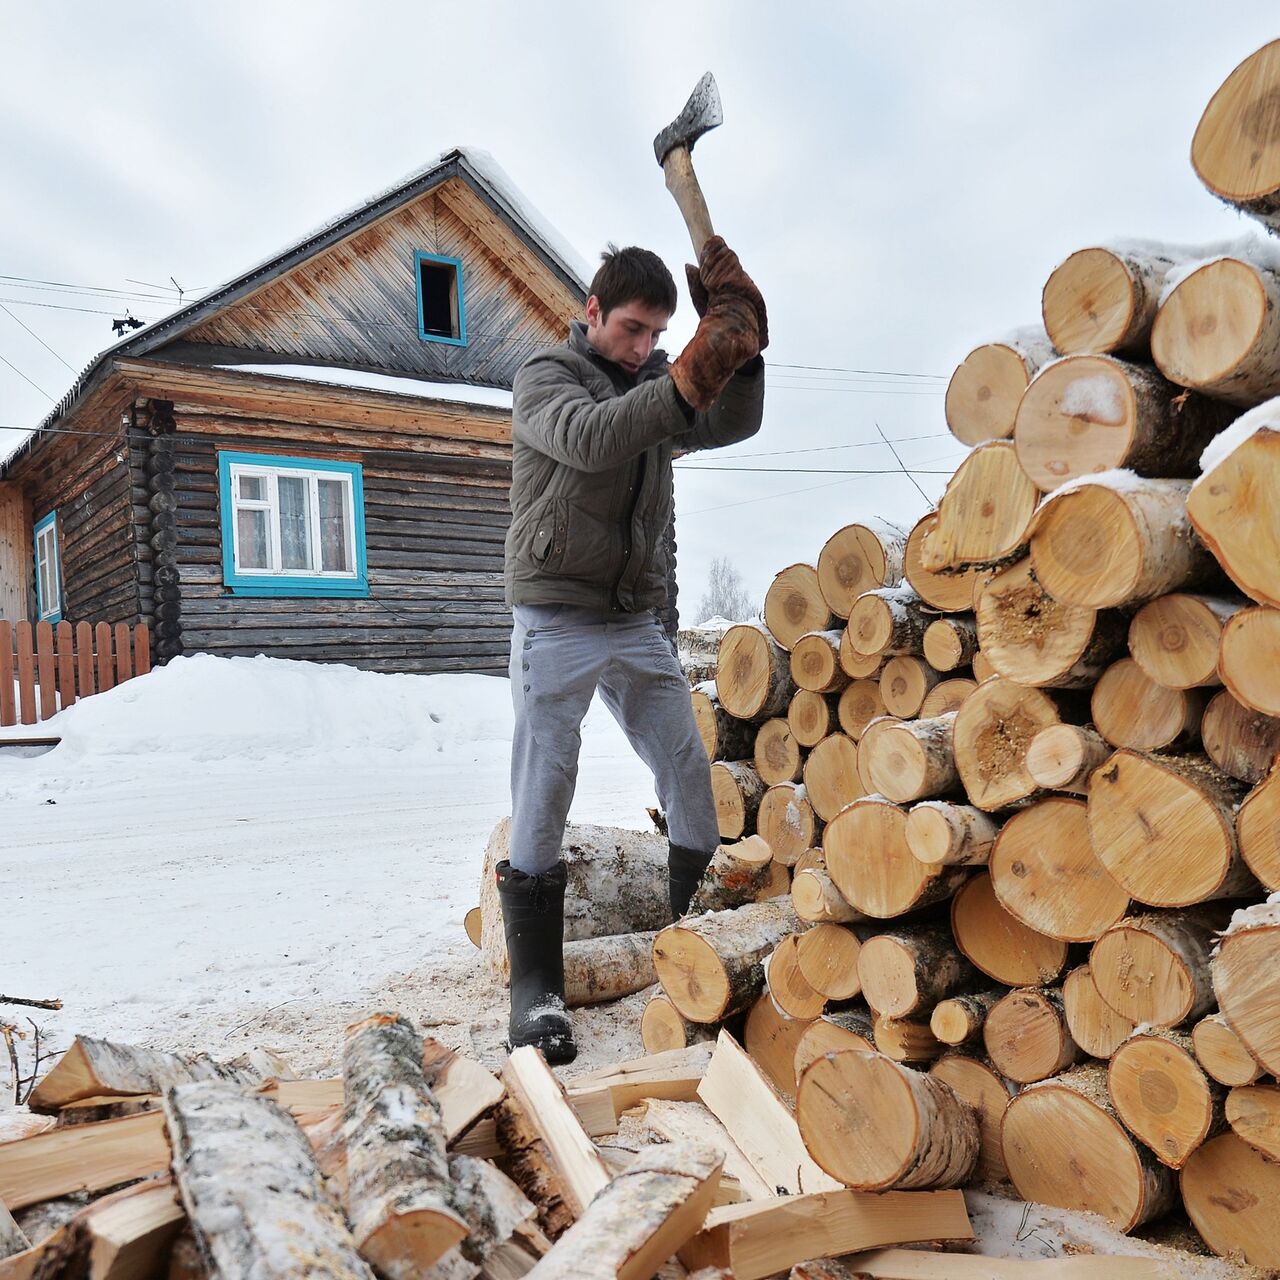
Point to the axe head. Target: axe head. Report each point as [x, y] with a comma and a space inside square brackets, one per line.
[701, 112]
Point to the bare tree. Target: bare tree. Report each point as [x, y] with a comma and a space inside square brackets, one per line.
[726, 595]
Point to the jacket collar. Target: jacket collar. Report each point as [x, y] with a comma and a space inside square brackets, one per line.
[579, 342]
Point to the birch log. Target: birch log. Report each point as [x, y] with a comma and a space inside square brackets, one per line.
[1232, 1196]
[905, 682]
[979, 1084]
[858, 558]
[815, 662]
[1094, 1025]
[1026, 1036]
[888, 621]
[1258, 830]
[951, 642]
[944, 832]
[947, 592]
[1175, 638]
[828, 957]
[947, 695]
[787, 823]
[860, 704]
[831, 778]
[735, 876]
[832, 1033]
[1131, 710]
[793, 605]
[1222, 1053]
[958, 1019]
[912, 760]
[777, 755]
[753, 673]
[812, 716]
[737, 788]
[1246, 980]
[983, 394]
[908, 970]
[1063, 756]
[1242, 742]
[724, 736]
[1000, 944]
[1246, 659]
[984, 513]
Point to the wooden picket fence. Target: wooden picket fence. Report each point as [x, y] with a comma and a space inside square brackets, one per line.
[44, 668]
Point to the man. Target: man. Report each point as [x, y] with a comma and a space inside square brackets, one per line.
[594, 426]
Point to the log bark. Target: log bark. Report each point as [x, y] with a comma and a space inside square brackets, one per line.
[905, 682]
[817, 900]
[1091, 413]
[1045, 872]
[831, 779]
[787, 823]
[1131, 710]
[858, 558]
[1164, 827]
[736, 875]
[663, 1027]
[753, 673]
[912, 760]
[908, 970]
[1026, 1035]
[1094, 1025]
[1000, 944]
[1246, 980]
[815, 662]
[1222, 1053]
[942, 832]
[950, 643]
[812, 716]
[503, 1238]
[598, 970]
[1175, 638]
[983, 394]
[1030, 637]
[1242, 742]
[777, 756]
[1062, 757]
[1250, 642]
[1164, 1096]
[400, 1198]
[984, 513]
[786, 984]
[712, 966]
[640, 1218]
[737, 789]
[794, 606]
[828, 958]
[870, 863]
[253, 1195]
[833, 1033]
[888, 621]
[948, 695]
[860, 704]
[947, 592]
[1154, 969]
[978, 1083]
[1232, 1196]
[876, 1125]
[958, 1019]
[1065, 1146]
[1258, 830]
[725, 737]
[1253, 1112]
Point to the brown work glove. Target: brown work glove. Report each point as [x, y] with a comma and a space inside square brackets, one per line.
[721, 270]
[727, 337]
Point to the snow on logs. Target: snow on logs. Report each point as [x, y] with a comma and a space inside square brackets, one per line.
[985, 390]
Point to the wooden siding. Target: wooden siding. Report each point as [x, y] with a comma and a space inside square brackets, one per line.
[16, 555]
[355, 304]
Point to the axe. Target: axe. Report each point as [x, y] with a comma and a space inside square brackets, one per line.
[672, 147]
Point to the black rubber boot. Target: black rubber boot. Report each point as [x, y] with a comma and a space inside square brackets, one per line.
[533, 916]
[684, 872]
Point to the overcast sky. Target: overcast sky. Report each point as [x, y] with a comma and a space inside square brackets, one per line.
[900, 180]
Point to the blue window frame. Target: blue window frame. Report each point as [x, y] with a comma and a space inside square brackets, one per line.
[48, 570]
[442, 312]
[292, 526]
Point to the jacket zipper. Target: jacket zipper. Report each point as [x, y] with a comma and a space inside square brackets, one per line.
[627, 545]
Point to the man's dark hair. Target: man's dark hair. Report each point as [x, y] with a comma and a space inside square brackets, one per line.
[633, 275]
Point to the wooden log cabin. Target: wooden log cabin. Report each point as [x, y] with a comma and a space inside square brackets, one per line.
[312, 461]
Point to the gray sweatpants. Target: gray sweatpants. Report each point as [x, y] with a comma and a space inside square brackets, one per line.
[560, 655]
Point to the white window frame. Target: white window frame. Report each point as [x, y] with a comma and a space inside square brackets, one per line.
[48, 569]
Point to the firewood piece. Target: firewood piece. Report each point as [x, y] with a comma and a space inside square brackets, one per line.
[946, 696]
[777, 756]
[724, 736]
[101, 1068]
[1222, 1053]
[1101, 300]
[399, 1195]
[1061, 757]
[1253, 1112]
[905, 682]
[984, 513]
[1045, 872]
[1154, 969]
[908, 970]
[1131, 710]
[1175, 638]
[918, 1264]
[860, 704]
[738, 789]
[786, 822]
[1086, 414]
[978, 1083]
[1026, 1035]
[473, 926]
[735, 876]
[817, 900]
[1246, 659]
[1258, 830]
[812, 716]
[833, 1032]
[1242, 742]
[1030, 637]
[1094, 1025]
[1164, 828]
[597, 970]
[662, 1027]
[1065, 1146]
[941, 832]
[982, 668]
[948, 592]
[913, 760]
[907, 1040]
[1232, 1196]
[771, 1038]
[793, 605]
[672, 1075]
[1246, 980]
[828, 957]
[548, 1154]
[998, 943]
[958, 1019]
[983, 394]
[889, 621]
[868, 858]
[12, 1239]
[1230, 507]
[1117, 539]
[712, 966]
[877, 1125]
[762, 1238]
[992, 734]
[639, 1219]
[1164, 1096]
[692, 1122]
[759, 1122]
[815, 662]
[831, 779]
[788, 988]
[950, 643]
[753, 673]
[858, 558]
[503, 1237]
[859, 666]
[251, 1190]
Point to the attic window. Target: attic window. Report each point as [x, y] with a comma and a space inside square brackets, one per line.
[441, 314]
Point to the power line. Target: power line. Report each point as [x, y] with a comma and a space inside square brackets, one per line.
[35, 335]
[828, 448]
[24, 377]
[819, 471]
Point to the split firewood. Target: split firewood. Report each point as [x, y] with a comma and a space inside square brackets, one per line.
[1246, 980]
[737, 789]
[1094, 1025]
[828, 957]
[1222, 1053]
[691, 1122]
[753, 673]
[12, 1239]
[957, 1021]
[1232, 1195]
[947, 592]
[831, 778]
[735, 876]
[1242, 742]
[673, 1075]
[1096, 1165]
[976, 1082]
[919, 1264]
[787, 823]
[400, 1199]
[91, 1110]
[1063, 756]
[889, 621]
[1253, 1112]
[1131, 710]
[998, 943]
[662, 1027]
[771, 1038]
[984, 513]
[877, 1125]
[833, 1032]
[908, 970]
[1249, 641]
[776, 755]
[860, 704]
[813, 715]
[724, 736]
[1175, 638]
[793, 605]
[941, 832]
[815, 662]
[1026, 1036]
[858, 558]
[912, 760]
[983, 394]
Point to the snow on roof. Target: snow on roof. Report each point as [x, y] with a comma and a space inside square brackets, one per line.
[458, 392]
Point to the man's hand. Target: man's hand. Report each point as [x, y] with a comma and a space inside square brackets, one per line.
[720, 271]
[727, 337]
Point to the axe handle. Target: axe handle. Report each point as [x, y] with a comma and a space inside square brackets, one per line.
[682, 182]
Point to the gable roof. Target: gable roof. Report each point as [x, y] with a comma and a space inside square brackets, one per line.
[477, 168]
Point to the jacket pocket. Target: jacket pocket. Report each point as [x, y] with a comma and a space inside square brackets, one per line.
[550, 535]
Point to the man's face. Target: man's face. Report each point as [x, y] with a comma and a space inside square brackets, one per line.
[628, 334]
